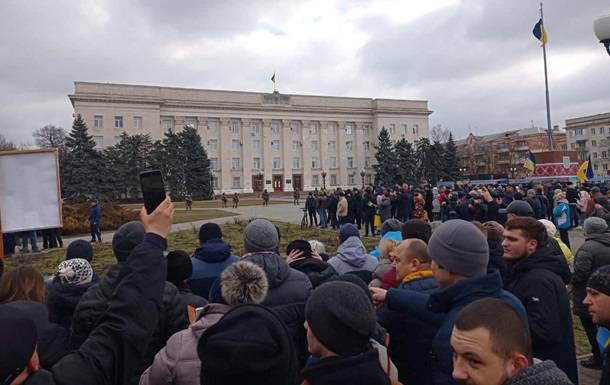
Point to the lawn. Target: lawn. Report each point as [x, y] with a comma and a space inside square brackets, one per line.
[217, 203]
[182, 216]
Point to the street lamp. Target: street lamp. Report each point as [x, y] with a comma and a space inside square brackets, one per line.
[512, 171]
[601, 27]
[362, 174]
[463, 170]
[324, 180]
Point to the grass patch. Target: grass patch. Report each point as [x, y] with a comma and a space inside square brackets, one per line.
[181, 216]
[215, 204]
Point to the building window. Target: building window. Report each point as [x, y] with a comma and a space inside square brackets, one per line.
[275, 127]
[236, 164]
[405, 129]
[137, 122]
[277, 163]
[350, 162]
[213, 144]
[349, 145]
[392, 128]
[117, 140]
[596, 167]
[573, 146]
[332, 146]
[190, 123]
[592, 130]
[275, 144]
[215, 182]
[315, 162]
[351, 180]
[118, 122]
[367, 162]
[168, 124]
[256, 129]
[594, 143]
[595, 155]
[236, 182]
[368, 129]
[256, 145]
[604, 154]
[213, 125]
[605, 166]
[214, 163]
[333, 180]
[99, 141]
[256, 163]
[235, 126]
[235, 144]
[315, 180]
[415, 129]
[367, 146]
[348, 129]
[314, 145]
[296, 162]
[295, 127]
[295, 145]
[98, 121]
[332, 162]
[602, 130]
[333, 128]
[314, 127]
[564, 147]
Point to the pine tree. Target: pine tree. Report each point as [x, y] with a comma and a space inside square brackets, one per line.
[386, 168]
[405, 159]
[81, 173]
[423, 160]
[197, 177]
[450, 159]
[435, 162]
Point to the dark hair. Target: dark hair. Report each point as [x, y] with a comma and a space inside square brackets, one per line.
[301, 245]
[179, 267]
[418, 229]
[209, 231]
[530, 228]
[508, 332]
[23, 283]
[480, 226]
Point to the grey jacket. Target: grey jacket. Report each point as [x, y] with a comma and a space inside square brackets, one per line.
[543, 373]
[593, 254]
[352, 256]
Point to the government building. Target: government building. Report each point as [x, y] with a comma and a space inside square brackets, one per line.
[257, 141]
[590, 136]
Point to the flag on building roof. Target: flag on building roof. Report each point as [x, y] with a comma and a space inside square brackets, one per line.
[530, 162]
[540, 32]
[585, 171]
[273, 77]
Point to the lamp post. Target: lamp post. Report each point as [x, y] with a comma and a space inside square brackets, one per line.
[512, 171]
[362, 174]
[463, 170]
[601, 27]
[324, 180]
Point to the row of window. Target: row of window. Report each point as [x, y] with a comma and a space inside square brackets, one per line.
[236, 144]
[296, 163]
[315, 180]
[404, 129]
[592, 131]
[604, 155]
[98, 122]
[583, 146]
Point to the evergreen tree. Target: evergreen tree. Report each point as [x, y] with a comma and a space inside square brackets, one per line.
[81, 173]
[423, 159]
[197, 177]
[386, 168]
[450, 159]
[405, 158]
[435, 162]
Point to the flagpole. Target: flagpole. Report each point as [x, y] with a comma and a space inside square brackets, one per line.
[549, 132]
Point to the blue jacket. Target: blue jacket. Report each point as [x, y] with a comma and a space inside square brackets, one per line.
[393, 235]
[209, 261]
[443, 306]
[95, 214]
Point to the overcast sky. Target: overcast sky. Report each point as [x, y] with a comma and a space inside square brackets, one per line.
[476, 61]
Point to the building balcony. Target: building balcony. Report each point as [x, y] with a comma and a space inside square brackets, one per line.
[503, 161]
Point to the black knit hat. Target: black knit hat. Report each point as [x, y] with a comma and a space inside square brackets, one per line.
[126, 238]
[249, 345]
[341, 317]
[179, 266]
[209, 231]
[301, 245]
[17, 343]
[600, 280]
[80, 249]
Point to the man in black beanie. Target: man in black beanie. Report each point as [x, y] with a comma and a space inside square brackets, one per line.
[598, 303]
[340, 320]
[179, 269]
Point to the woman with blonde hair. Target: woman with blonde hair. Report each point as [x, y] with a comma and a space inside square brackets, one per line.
[23, 283]
[385, 263]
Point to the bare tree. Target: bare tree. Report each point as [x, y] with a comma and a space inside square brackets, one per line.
[50, 136]
[6, 145]
[440, 134]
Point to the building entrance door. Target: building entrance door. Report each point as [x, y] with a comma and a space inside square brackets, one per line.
[297, 183]
[257, 183]
[277, 183]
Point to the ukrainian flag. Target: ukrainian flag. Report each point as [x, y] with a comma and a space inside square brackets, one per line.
[585, 171]
[540, 32]
[530, 162]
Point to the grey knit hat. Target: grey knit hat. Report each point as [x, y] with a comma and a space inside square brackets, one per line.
[391, 224]
[260, 235]
[126, 238]
[600, 280]
[595, 225]
[459, 247]
[341, 316]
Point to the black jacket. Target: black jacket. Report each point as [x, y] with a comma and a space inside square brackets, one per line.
[311, 203]
[539, 282]
[593, 254]
[496, 256]
[317, 271]
[117, 343]
[368, 204]
[363, 369]
[62, 300]
[404, 205]
[332, 203]
[173, 314]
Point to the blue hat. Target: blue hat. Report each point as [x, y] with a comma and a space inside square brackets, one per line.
[348, 230]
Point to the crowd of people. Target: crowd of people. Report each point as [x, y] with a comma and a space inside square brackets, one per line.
[470, 285]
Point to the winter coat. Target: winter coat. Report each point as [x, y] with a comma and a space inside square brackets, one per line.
[539, 280]
[441, 308]
[592, 255]
[393, 235]
[311, 203]
[322, 203]
[190, 299]
[363, 369]
[543, 373]
[404, 205]
[117, 343]
[209, 261]
[410, 337]
[52, 342]
[293, 317]
[351, 256]
[178, 363]
[465, 211]
[537, 207]
[342, 207]
[368, 204]
[384, 266]
[94, 303]
[62, 300]
[317, 271]
[389, 280]
[357, 203]
[385, 209]
[332, 203]
[95, 214]
[561, 215]
[496, 256]
[286, 285]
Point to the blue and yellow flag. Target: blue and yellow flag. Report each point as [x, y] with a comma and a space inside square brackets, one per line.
[585, 171]
[530, 162]
[540, 32]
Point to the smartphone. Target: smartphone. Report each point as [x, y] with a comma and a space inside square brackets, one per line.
[153, 189]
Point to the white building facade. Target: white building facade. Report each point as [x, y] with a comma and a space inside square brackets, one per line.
[258, 141]
[590, 136]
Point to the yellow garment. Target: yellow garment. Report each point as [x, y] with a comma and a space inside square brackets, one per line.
[417, 275]
[567, 253]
